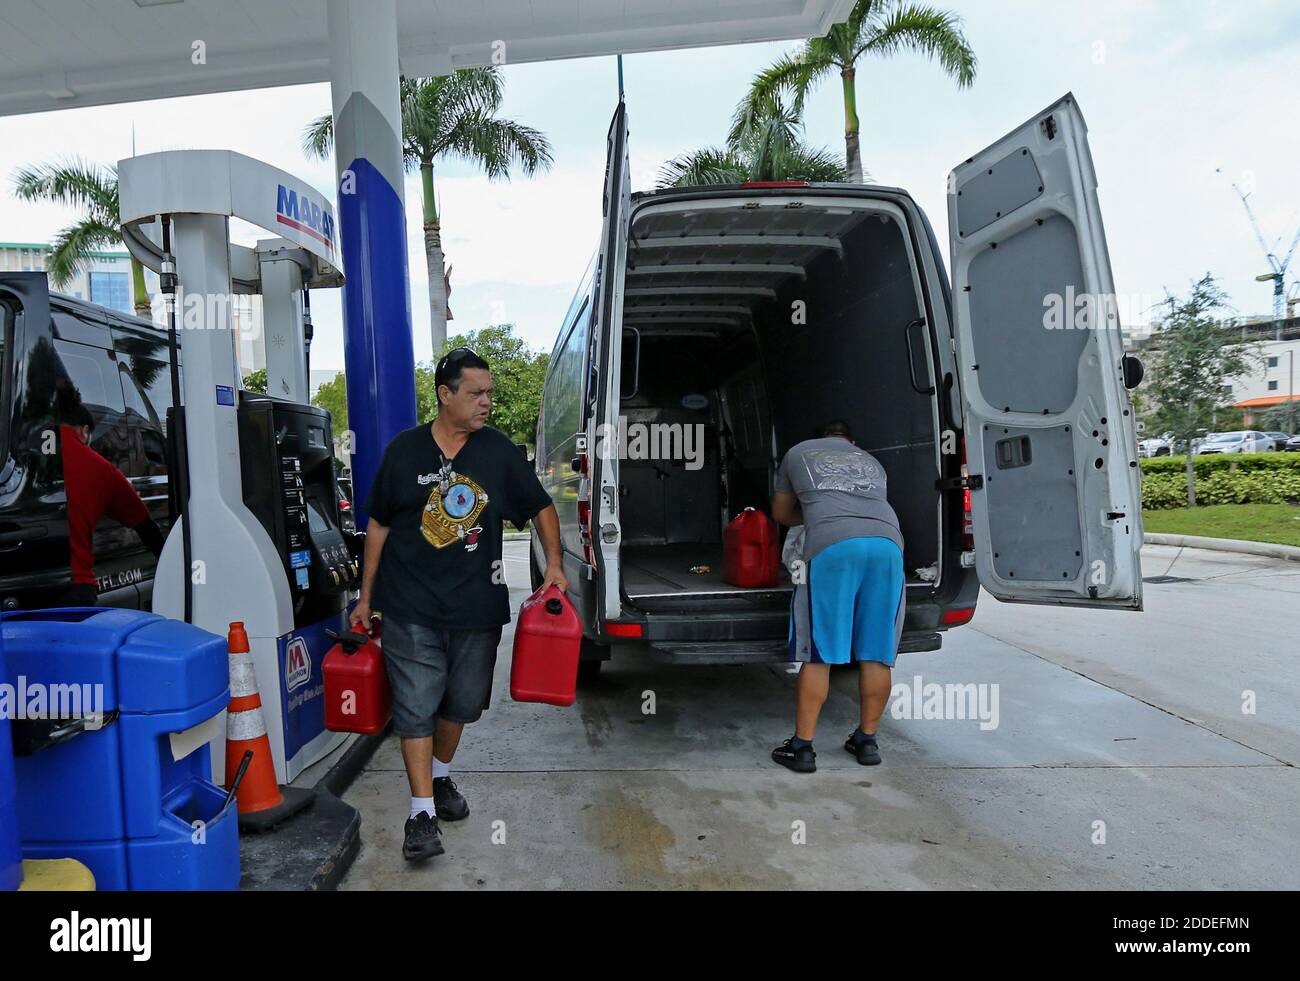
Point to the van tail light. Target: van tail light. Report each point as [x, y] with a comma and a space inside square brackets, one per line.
[758, 185]
[956, 617]
[584, 532]
[967, 520]
[624, 630]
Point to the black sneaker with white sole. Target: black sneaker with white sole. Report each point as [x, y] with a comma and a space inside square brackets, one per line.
[449, 801]
[801, 760]
[422, 838]
[866, 750]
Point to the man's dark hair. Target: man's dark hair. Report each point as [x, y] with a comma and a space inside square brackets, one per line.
[836, 427]
[452, 364]
[76, 416]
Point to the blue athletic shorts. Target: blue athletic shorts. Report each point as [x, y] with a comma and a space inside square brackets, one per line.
[851, 607]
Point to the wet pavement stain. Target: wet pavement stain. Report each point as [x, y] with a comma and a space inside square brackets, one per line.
[595, 722]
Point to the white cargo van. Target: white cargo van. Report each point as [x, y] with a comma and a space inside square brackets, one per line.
[718, 326]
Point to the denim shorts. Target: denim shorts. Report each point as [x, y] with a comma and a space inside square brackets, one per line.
[437, 673]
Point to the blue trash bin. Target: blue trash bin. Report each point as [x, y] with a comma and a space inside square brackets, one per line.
[113, 795]
[11, 856]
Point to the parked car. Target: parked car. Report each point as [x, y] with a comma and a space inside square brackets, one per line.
[1161, 445]
[1279, 440]
[1244, 441]
[1293, 445]
[119, 365]
[748, 314]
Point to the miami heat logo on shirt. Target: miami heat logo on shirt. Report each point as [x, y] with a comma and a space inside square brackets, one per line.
[452, 516]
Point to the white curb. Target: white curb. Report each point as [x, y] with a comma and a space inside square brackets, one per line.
[1289, 552]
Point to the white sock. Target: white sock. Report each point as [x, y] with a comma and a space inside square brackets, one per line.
[425, 804]
[440, 769]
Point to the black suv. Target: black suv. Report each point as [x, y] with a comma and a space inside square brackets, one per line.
[119, 365]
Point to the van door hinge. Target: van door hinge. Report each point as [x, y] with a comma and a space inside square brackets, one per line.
[974, 481]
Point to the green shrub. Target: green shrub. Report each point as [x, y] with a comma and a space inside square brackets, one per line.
[1164, 491]
[1205, 465]
[1258, 478]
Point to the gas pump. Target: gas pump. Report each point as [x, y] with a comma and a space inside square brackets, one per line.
[258, 536]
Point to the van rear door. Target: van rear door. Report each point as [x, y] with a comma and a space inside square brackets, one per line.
[607, 345]
[1050, 441]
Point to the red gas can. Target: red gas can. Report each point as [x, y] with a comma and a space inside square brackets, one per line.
[751, 557]
[548, 636]
[357, 696]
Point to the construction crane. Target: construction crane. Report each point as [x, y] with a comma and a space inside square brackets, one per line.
[1279, 266]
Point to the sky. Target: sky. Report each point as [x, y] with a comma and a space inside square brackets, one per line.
[1173, 92]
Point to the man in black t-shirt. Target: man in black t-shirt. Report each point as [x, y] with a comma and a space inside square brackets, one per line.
[433, 569]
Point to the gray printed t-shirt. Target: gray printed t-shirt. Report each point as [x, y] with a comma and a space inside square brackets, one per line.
[841, 490]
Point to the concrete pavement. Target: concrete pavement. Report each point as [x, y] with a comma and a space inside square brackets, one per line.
[1121, 758]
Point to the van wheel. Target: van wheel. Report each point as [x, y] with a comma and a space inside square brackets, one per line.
[588, 671]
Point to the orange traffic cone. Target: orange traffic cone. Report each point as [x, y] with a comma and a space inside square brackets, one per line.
[262, 803]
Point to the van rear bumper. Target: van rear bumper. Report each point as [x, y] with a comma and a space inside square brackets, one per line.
[753, 637]
[762, 651]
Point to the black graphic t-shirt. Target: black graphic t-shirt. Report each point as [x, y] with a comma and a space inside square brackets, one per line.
[441, 565]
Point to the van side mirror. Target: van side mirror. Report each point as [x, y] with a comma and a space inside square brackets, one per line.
[1133, 372]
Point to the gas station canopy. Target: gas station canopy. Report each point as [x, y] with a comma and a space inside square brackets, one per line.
[59, 54]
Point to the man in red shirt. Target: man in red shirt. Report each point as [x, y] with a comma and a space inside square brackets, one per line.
[95, 488]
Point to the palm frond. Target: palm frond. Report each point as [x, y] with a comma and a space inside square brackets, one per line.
[75, 182]
[73, 245]
[472, 90]
[819, 165]
[710, 165]
[318, 137]
[928, 31]
[793, 75]
[861, 12]
[496, 145]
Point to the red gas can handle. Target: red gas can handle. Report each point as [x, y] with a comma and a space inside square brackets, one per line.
[554, 605]
[352, 641]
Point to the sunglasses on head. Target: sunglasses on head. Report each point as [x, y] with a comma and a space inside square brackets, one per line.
[451, 359]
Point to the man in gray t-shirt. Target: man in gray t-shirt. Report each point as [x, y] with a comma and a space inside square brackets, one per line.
[848, 600]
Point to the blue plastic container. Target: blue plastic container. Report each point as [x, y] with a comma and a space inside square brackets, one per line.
[114, 797]
[11, 856]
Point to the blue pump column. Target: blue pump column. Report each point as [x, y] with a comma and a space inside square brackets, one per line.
[378, 351]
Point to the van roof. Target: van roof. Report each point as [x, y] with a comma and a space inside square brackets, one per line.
[735, 190]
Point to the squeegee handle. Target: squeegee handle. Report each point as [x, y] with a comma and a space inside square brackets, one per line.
[239, 777]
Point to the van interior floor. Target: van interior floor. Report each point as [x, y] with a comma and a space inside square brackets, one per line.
[664, 571]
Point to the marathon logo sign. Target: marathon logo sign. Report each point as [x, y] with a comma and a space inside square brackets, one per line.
[300, 212]
[297, 664]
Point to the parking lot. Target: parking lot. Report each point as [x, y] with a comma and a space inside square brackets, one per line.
[1153, 750]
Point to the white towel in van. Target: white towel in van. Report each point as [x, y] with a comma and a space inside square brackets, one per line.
[792, 551]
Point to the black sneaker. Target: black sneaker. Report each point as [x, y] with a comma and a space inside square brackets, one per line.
[448, 800]
[867, 751]
[802, 760]
[422, 839]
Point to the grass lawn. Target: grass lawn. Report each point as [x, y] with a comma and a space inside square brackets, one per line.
[1278, 523]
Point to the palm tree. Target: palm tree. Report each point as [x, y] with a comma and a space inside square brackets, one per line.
[93, 189]
[765, 144]
[875, 27]
[450, 115]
